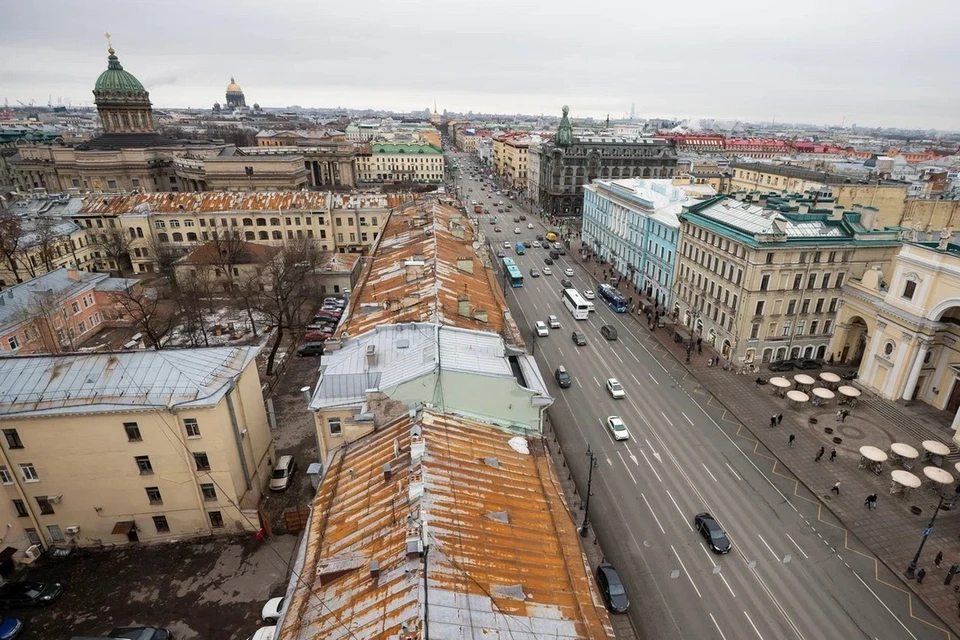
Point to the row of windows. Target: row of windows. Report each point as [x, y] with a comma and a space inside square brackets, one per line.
[798, 281]
[792, 306]
[787, 328]
[131, 429]
[56, 533]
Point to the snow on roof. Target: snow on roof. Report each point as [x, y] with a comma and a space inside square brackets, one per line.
[32, 386]
[19, 302]
[467, 519]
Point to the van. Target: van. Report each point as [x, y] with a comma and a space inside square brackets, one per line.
[590, 306]
[609, 332]
[553, 321]
[282, 473]
[563, 378]
[554, 254]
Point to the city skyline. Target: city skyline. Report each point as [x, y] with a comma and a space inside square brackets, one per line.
[750, 63]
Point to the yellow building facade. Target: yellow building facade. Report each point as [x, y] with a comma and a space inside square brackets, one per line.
[510, 158]
[901, 325]
[138, 446]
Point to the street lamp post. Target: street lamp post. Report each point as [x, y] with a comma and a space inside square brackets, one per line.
[585, 527]
[912, 567]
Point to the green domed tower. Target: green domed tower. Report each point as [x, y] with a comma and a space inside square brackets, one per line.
[123, 103]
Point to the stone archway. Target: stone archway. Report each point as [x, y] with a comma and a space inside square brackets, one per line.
[853, 349]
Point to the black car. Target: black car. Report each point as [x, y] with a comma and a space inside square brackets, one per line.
[524, 218]
[539, 237]
[566, 284]
[712, 532]
[527, 244]
[310, 349]
[782, 365]
[562, 251]
[609, 332]
[548, 260]
[579, 338]
[809, 363]
[611, 588]
[140, 633]
[554, 254]
[563, 377]
[29, 594]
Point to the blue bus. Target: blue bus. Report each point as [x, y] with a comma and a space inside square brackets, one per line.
[508, 262]
[514, 276]
[520, 249]
[613, 298]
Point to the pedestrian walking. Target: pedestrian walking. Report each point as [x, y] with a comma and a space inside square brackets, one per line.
[779, 418]
[843, 415]
[833, 455]
[921, 575]
[699, 348]
[773, 421]
[791, 439]
[868, 500]
[873, 501]
[938, 559]
[839, 414]
[836, 487]
[699, 341]
[758, 382]
[819, 455]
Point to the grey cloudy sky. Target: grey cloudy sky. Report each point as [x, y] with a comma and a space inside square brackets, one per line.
[880, 62]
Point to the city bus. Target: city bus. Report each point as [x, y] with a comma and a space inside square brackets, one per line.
[575, 304]
[514, 276]
[508, 262]
[520, 248]
[613, 298]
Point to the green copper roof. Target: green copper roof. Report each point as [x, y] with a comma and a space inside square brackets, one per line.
[116, 80]
[413, 149]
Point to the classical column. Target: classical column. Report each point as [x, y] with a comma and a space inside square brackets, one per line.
[891, 387]
[922, 347]
[956, 421]
[872, 353]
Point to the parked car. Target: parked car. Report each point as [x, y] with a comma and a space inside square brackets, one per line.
[808, 363]
[29, 594]
[609, 332]
[10, 628]
[712, 532]
[264, 633]
[140, 633]
[617, 428]
[317, 335]
[579, 338]
[563, 378]
[271, 610]
[282, 473]
[616, 389]
[781, 365]
[310, 349]
[541, 328]
[611, 588]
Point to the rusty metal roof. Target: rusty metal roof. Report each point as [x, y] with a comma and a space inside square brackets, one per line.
[424, 269]
[437, 509]
[224, 201]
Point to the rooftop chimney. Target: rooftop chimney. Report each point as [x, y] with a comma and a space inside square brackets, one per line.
[374, 570]
[463, 306]
[73, 274]
[387, 472]
[371, 355]
[837, 212]
[480, 315]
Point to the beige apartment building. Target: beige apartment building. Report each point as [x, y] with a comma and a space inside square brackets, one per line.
[401, 162]
[59, 311]
[510, 157]
[899, 324]
[135, 446]
[761, 283]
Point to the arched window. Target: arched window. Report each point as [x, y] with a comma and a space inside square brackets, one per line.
[250, 235]
[162, 237]
[248, 222]
[191, 237]
[767, 354]
[178, 237]
[139, 232]
[277, 235]
[261, 222]
[274, 222]
[133, 234]
[264, 236]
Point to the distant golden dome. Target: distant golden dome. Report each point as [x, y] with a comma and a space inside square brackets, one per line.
[234, 87]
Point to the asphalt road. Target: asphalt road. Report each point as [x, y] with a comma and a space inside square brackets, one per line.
[788, 575]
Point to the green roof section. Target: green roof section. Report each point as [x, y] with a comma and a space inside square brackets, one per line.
[116, 80]
[413, 149]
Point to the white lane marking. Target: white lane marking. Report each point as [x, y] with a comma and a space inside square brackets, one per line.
[692, 583]
[798, 547]
[895, 617]
[757, 631]
[651, 466]
[561, 351]
[723, 637]
[635, 379]
[729, 588]
[578, 383]
[653, 514]
[619, 358]
[769, 548]
[634, 356]
[708, 471]
[655, 454]
[666, 418]
[732, 471]
[688, 418]
[679, 510]
[652, 378]
[719, 573]
[595, 380]
[626, 467]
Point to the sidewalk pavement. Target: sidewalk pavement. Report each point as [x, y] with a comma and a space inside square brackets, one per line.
[893, 531]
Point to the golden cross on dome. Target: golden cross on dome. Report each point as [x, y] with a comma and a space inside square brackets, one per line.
[109, 45]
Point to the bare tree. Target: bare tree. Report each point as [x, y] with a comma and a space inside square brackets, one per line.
[165, 256]
[38, 315]
[115, 245]
[151, 311]
[47, 241]
[11, 230]
[288, 291]
[192, 295]
[228, 249]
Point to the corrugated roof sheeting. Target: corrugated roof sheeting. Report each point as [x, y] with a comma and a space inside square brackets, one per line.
[395, 287]
[211, 201]
[503, 559]
[124, 381]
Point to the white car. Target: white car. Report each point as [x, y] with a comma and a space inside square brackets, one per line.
[617, 428]
[615, 388]
[264, 633]
[506, 245]
[529, 225]
[516, 230]
[547, 271]
[568, 272]
[554, 322]
[536, 244]
[542, 329]
[588, 294]
[271, 610]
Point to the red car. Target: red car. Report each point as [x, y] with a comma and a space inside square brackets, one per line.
[497, 229]
[311, 336]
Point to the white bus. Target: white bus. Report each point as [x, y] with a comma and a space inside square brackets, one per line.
[575, 304]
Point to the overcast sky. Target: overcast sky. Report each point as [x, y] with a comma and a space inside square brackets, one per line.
[887, 63]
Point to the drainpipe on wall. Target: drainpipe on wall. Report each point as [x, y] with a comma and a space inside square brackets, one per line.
[237, 436]
[26, 501]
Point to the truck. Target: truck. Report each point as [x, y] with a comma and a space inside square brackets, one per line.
[477, 208]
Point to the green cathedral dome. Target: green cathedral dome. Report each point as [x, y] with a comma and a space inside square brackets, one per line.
[116, 80]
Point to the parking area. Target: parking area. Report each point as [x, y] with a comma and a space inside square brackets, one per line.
[199, 590]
